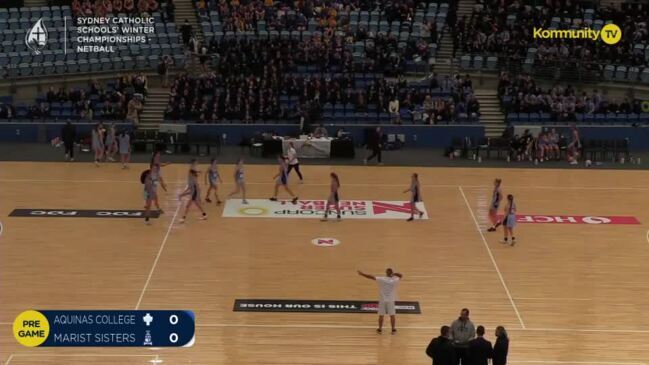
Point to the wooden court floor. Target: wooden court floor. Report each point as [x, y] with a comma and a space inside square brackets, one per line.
[567, 293]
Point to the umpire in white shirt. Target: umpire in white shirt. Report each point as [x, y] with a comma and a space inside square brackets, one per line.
[388, 295]
[293, 162]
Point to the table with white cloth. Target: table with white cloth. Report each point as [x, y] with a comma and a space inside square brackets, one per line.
[309, 147]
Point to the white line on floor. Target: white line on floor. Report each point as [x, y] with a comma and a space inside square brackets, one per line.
[155, 262]
[491, 256]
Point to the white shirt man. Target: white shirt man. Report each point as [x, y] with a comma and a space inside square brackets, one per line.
[293, 162]
[387, 296]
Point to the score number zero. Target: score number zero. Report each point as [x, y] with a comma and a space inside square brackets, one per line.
[173, 337]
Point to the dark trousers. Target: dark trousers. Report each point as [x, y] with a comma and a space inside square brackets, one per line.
[297, 169]
[376, 152]
[69, 148]
[460, 356]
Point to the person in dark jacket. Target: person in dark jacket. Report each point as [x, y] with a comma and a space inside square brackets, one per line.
[374, 143]
[480, 350]
[440, 349]
[501, 348]
[69, 135]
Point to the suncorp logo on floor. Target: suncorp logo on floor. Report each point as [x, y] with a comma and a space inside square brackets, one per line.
[609, 34]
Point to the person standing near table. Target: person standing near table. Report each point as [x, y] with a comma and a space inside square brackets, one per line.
[374, 144]
[293, 162]
[69, 135]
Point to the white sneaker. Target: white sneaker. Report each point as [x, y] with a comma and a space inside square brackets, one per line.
[204, 217]
[574, 162]
[504, 242]
[111, 159]
[148, 223]
[181, 220]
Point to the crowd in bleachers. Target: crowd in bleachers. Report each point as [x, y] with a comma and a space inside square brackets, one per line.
[284, 15]
[560, 103]
[272, 95]
[114, 99]
[505, 28]
[102, 8]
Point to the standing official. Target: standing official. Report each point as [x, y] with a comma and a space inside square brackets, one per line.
[501, 348]
[440, 349]
[293, 162]
[462, 331]
[374, 143]
[480, 350]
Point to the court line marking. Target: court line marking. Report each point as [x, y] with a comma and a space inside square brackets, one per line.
[348, 184]
[9, 359]
[553, 298]
[491, 256]
[426, 328]
[155, 262]
[575, 362]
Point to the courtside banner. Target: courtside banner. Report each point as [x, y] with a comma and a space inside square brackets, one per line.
[319, 306]
[350, 209]
[81, 213]
[576, 219]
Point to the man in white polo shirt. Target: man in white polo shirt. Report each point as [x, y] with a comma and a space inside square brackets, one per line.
[388, 295]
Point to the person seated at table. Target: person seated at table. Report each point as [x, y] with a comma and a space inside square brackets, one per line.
[320, 132]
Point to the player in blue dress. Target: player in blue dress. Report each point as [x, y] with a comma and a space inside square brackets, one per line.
[510, 220]
[239, 181]
[415, 197]
[212, 178]
[193, 191]
[281, 179]
[156, 179]
[333, 196]
[496, 197]
[148, 196]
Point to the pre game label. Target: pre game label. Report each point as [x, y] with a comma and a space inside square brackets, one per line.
[105, 328]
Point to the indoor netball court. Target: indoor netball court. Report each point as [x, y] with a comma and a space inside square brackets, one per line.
[572, 291]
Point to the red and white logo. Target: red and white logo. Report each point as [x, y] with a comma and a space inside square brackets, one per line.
[325, 242]
[576, 219]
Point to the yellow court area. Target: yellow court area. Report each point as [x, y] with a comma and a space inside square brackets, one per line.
[568, 293]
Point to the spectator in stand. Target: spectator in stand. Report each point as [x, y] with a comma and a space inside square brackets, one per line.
[393, 109]
[133, 112]
[462, 331]
[186, 32]
[163, 69]
[440, 349]
[501, 348]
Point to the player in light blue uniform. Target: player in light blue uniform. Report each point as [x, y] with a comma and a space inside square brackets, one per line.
[510, 220]
[239, 181]
[496, 197]
[193, 190]
[281, 179]
[213, 177]
[156, 179]
[148, 196]
[415, 197]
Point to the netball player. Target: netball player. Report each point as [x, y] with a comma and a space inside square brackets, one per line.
[333, 196]
[239, 181]
[148, 196]
[281, 179]
[125, 148]
[574, 146]
[111, 143]
[156, 179]
[415, 197]
[496, 197]
[293, 162]
[510, 220]
[553, 144]
[98, 143]
[213, 178]
[193, 190]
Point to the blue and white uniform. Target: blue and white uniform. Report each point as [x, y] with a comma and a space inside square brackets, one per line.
[213, 176]
[495, 198]
[282, 179]
[239, 176]
[511, 216]
[414, 191]
[149, 188]
[193, 188]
